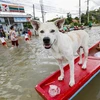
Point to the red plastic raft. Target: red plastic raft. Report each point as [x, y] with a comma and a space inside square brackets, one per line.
[82, 78]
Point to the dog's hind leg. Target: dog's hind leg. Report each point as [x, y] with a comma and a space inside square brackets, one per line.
[80, 55]
[61, 77]
[85, 50]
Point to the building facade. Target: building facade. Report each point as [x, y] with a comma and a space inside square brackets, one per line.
[11, 14]
[10, 19]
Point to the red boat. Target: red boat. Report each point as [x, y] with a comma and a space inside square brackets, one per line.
[82, 77]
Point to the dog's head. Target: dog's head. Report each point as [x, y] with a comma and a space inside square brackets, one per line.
[48, 31]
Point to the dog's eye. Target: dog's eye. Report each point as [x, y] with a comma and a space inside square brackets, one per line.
[41, 31]
[52, 31]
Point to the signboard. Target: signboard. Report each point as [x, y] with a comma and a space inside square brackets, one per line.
[5, 8]
[11, 8]
[20, 19]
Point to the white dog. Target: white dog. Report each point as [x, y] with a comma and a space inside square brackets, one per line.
[63, 45]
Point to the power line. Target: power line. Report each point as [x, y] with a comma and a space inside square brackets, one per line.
[48, 9]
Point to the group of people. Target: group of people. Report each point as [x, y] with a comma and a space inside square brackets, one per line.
[13, 37]
[67, 29]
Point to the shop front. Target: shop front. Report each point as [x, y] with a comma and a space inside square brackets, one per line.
[7, 20]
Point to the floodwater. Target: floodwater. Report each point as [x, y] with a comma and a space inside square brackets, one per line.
[24, 67]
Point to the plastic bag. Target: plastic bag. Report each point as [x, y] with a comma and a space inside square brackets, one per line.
[54, 90]
[97, 54]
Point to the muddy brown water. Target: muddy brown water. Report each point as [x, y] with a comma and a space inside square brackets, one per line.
[24, 67]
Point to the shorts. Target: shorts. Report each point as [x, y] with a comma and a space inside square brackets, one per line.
[15, 43]
[26, 39]
[4, 43]
[29, 33]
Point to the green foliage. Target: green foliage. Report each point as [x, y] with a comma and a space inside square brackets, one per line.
[27, 25]
[52, 20]
[75, 24]
[83, 18]
[66, 21]
[94, 17]
[69, 18]
[72, 25]
[76, 18]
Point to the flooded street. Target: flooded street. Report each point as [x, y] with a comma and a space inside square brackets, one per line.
[24, 67]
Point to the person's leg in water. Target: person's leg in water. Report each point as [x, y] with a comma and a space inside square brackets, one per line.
[16, 43]
[13, 44]
[90, 27]
[30, 34]
[5, 44]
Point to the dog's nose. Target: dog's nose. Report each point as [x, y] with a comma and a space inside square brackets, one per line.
[46, 39]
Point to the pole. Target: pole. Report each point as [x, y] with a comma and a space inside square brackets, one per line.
[45, 16]
[8, 21]
[87, 11]
[79, 11]
[42, 10]
[33, 11]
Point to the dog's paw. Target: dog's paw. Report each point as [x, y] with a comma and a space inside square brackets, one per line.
[60, 78]
[80, 62]
[83, 67]
[71, 83]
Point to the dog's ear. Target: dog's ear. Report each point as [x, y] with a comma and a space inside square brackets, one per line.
[60, 22]
[35, 24]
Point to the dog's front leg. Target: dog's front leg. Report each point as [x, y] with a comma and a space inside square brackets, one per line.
[71, 64]
[61, 77]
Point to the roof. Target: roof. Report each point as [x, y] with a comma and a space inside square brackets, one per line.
[13, 15]
[74, 20]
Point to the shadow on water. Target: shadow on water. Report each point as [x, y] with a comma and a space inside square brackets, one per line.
[24, 67]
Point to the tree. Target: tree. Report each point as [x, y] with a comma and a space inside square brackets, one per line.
[69, 18]
[76, 18]
[83, 18]
[66, 21]
[52, 20]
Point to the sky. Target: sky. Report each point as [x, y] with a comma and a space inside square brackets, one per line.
[55, 8]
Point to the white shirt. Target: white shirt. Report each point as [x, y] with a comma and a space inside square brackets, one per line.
[2, 39]
[13, 35]
[26, 36]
